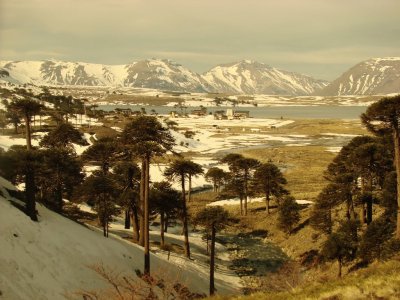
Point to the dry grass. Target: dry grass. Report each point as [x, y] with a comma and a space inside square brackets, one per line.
[379, 281]
[303, 167]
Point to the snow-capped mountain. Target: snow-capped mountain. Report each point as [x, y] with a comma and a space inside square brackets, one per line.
[370, 77]
[245, 77]
[249, 77]
[149, 73]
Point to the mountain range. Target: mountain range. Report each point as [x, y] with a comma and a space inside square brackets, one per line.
[374, 76]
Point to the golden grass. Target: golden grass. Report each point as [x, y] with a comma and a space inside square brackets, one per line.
[379, 281]
[303, 167]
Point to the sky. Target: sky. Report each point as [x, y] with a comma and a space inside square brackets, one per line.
[320, 38]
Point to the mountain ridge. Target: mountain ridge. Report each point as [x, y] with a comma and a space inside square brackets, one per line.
[369, 77]
[257, 78]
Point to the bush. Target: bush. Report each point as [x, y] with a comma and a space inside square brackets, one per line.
[375, 237]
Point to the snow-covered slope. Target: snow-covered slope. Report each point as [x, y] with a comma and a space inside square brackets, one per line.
[370, 77]
[249, 77]
[149, 73]
[245, 77]
[49, 258]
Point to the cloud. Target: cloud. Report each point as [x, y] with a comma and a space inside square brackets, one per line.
[200, 34]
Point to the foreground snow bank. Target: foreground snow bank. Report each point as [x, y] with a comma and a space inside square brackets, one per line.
[49, 258]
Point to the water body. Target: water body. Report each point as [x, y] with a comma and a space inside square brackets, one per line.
[300, 112]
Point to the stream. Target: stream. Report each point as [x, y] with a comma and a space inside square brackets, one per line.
[252, 257]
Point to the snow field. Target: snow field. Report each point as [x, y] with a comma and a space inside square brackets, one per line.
[50, 258]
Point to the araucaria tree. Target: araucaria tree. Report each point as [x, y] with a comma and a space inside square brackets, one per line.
[217, 176]
[241, 169]
[385, 115]
[270, 180]
[166, 202]
[26, 109]
[289, 214]
[146, 137]
[193, 170]
[342, 244]
[213, 219]
[102, 191]
[22, 166]
[180, 170]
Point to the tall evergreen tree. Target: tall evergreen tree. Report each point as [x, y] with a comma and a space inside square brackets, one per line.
[146, 137]
[179, 170]
[270, 180]
[63, 136]
[26, 108]
[102, 191]
[384, 115]
[213, 219]
[242, 167]
[165, 201]
[217, 176]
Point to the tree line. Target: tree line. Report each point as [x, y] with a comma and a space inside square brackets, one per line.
[359, 210]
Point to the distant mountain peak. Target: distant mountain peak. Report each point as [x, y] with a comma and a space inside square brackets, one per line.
[374, 76]
[252, 77]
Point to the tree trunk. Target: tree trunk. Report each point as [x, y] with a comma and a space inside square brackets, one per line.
[141, 204]
[241, 205]
[340, 267]
[58, 196]
[212, 262]
[166, 223]
[28, 133]
[267, 200]
[146, 219]
[135, 224]
[30, 194]
[190, 188]
[245, 192]
[162, 229]
[185, 219]
[362, 204]
[127, 219]
[396, 137]
[369, 211]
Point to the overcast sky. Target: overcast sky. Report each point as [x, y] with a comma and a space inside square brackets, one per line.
[321, 38]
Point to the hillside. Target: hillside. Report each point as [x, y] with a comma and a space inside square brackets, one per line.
[370, 77]
[51, 258]
[379, 281]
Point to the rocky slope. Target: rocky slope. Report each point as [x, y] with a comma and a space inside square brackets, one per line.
[370, 77]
